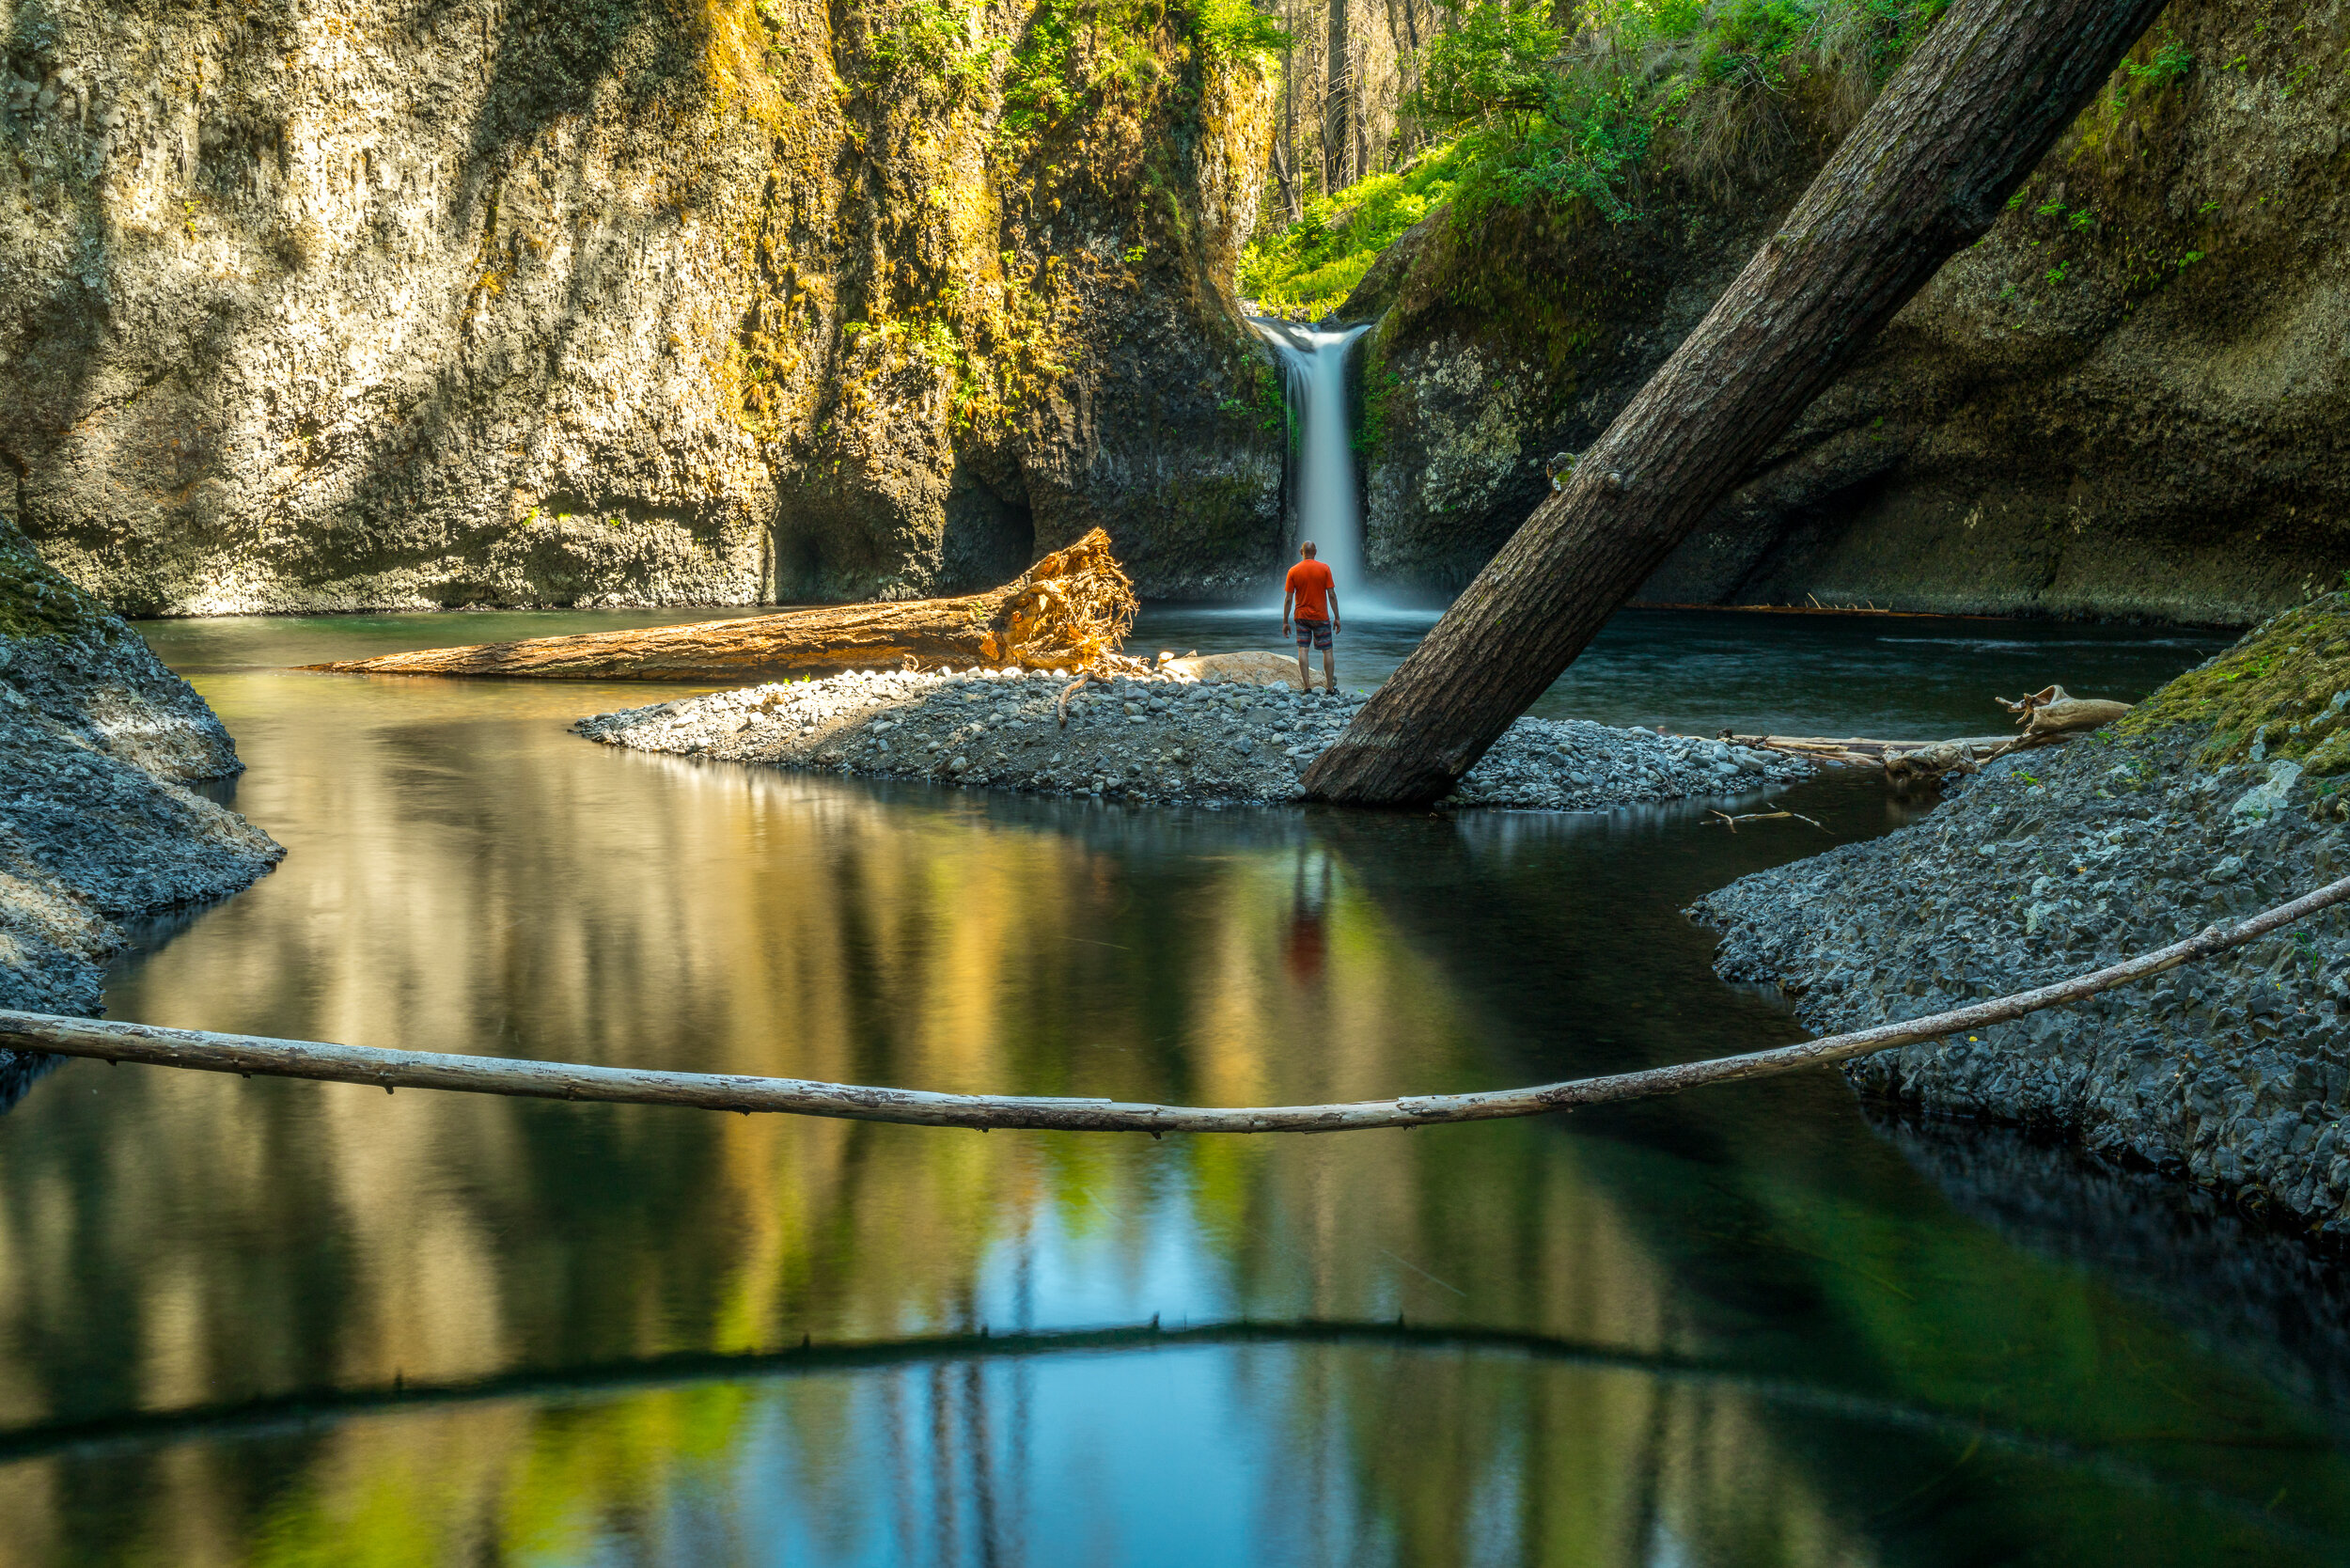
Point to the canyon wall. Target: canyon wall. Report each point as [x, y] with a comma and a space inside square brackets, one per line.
[2127, 399]
[512, 301]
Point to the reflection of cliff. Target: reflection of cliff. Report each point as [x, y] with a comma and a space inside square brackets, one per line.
[226, 1237]
[467, 877]
[1755, 1217]
[2255, 1295]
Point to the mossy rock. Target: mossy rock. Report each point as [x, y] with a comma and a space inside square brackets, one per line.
[2281, 692]
[38, 601]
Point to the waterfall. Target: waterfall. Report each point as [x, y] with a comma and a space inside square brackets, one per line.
[1313, 362]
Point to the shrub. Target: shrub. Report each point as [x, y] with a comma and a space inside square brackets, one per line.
[1310, 268]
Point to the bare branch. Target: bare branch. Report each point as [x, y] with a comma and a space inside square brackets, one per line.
[246, 1055]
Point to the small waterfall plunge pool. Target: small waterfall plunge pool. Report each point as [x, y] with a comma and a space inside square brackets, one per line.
[254, 1322]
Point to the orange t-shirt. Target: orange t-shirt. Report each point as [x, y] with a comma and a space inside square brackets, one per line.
[1310, 581]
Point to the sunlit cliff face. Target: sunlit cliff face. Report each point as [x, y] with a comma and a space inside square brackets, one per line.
[624, 302]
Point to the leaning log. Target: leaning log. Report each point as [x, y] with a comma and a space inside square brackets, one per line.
[1927, 170]
[1069, 611]
[110, 1041]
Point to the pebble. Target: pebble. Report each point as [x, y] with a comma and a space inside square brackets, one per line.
[2234, 1073]
[1151, 739]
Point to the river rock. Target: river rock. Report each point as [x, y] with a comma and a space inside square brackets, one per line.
[2234, 1074]
[98, 744]
[1162, 737]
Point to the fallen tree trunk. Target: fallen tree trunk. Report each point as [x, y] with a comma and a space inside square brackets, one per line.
[2049, 718]
[1925, 172]
[1858, 752]
[546, 1080]
[1066, 611]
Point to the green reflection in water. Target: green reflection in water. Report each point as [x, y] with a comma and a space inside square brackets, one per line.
[1815, 1358]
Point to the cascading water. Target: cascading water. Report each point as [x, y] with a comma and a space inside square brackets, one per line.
[1313, 362]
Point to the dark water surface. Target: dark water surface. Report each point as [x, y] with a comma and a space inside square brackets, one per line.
[1698, 672]
[253, 1322]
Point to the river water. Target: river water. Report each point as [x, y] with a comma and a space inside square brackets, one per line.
[254, 1322]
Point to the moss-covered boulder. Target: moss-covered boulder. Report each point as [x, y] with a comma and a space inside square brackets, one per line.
[2283, 693]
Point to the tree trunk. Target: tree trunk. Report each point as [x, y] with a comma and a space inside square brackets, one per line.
[1066, 612]
[1335, 124]
[1926, 171]
[1359, 105]
[1284, 163]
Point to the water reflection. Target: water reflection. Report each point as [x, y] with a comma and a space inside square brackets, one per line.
[1734, 1329]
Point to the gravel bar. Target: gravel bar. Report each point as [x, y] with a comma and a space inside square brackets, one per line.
[2231, 1073]
[1157, 738]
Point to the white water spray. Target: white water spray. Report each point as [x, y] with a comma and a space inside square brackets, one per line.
[1314, 361]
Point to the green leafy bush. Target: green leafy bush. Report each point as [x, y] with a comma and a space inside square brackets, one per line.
[1528, 112]
[1703, 86]
[1310, 268]
[939, 44]
[1073, 49]
[1236, 30]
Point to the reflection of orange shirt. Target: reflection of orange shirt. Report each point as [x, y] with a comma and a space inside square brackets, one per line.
[1302, 954]
[1310, 581]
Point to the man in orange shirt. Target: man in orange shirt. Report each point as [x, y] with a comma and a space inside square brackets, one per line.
[1316, 597]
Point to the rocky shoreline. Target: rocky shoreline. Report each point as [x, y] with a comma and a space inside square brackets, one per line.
[1159, 738]
[99, 744]
[2216, 798]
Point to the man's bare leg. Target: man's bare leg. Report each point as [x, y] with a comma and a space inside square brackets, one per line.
[1330, 671]
[1305, 670]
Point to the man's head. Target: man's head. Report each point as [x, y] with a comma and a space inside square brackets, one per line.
[1306, 550]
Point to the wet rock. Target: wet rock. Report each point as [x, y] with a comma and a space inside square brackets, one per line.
[2050, 426]
[2048, 863]
[98, 744]
[581, 306]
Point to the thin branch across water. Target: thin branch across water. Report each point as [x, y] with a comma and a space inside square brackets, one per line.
[247, 1055]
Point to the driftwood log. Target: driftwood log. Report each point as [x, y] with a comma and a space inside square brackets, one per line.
[1069, 611]
[1927, 170]
[2054, 710]
[2047, 717]
[115, 1041]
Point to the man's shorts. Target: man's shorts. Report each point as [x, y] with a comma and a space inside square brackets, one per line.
[1315, 634]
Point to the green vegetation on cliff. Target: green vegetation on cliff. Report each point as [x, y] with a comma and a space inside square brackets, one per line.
[1073, 50]
[1639, 91]
[1310, 268]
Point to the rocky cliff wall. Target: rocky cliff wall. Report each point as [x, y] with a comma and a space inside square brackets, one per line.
[519, 301]
[2128, 399]
[99, 744]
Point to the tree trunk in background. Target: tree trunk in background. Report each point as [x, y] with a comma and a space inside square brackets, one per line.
[1926, 171]
[1355, 109]
[1335, 118]
[1285, 148]
[1406, 67]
